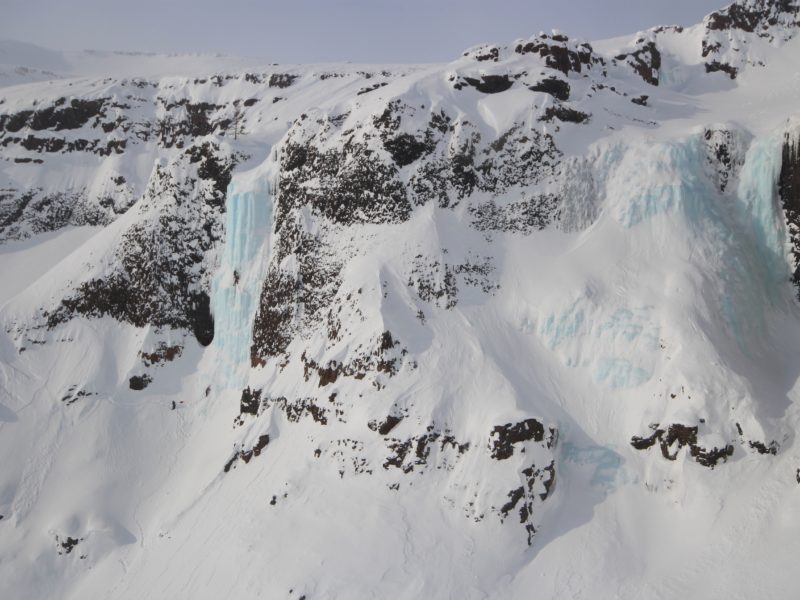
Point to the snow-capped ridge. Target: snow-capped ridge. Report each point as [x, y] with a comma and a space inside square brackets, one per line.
[344, 331]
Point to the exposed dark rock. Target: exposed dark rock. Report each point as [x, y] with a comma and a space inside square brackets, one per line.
[282, 80]
[189, 121]
[379, 360]
[31, 212]
[645, 60]
[58, 117]
[558, 88]
[73, 394]
[676, 437]
[313, 284]
[250, 402]
[526, 216]
[434, 282]
[751, 16]
[488, 84]
[214, 166]
[723, 156]
[12, 207]
[414, 452]
[163, 283]
[67, 545]
[405, 149]
[162, 353]
[564, 114]
[763, 448]
[559, 53]
[643, 443]
[247, 455]
[139, 382]
[772, 20]
[526, 495]
[491, 53]
[254, 402]
[789, 189]
[715, 66]
[16, 121]
[504, 437]
[371, 88]
[201, 321]
[297, 409]
[47, 144]
[272, 329]
[347, 185]
[385, 426]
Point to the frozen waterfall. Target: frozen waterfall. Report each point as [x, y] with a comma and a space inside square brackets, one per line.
[237, 286]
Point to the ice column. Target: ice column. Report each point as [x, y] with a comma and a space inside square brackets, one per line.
[237, 286]
[758, 195]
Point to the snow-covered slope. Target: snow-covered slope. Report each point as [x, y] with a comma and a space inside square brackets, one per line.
[520, 325]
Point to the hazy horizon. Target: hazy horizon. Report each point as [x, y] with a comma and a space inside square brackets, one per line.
[315, 31]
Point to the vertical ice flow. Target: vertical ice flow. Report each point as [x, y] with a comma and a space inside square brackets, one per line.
[758, 194]
[237, 286]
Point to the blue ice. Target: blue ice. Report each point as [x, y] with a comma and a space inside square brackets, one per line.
[568, 325]
[758, 195]
[678, 163]
[237, 286]
[618, 373]
[606, 462]
[756, 272]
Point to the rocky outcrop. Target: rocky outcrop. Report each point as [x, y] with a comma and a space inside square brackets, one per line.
[725, 44]
[789, 190]
[504, 438]
[160, 272]
[645, 60]
[558, 88]
[755, 16]
[351, 173]
[677, 436]
[561, 53]
[725, 150]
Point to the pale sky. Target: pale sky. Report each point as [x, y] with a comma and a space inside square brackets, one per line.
[328, 30]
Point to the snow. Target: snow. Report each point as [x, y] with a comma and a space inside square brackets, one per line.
[23, 262]
[658, 299]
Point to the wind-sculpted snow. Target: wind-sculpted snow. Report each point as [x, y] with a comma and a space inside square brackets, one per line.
[521, 324]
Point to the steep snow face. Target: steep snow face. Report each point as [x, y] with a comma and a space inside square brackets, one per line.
[443, 331]
[237, 284]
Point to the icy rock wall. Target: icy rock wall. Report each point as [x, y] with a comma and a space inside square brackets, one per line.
[236, 289]
[667, 198]
[758, 193]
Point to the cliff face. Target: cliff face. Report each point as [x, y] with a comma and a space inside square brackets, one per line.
[789, 187]
[444, 330]
[736, 36]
